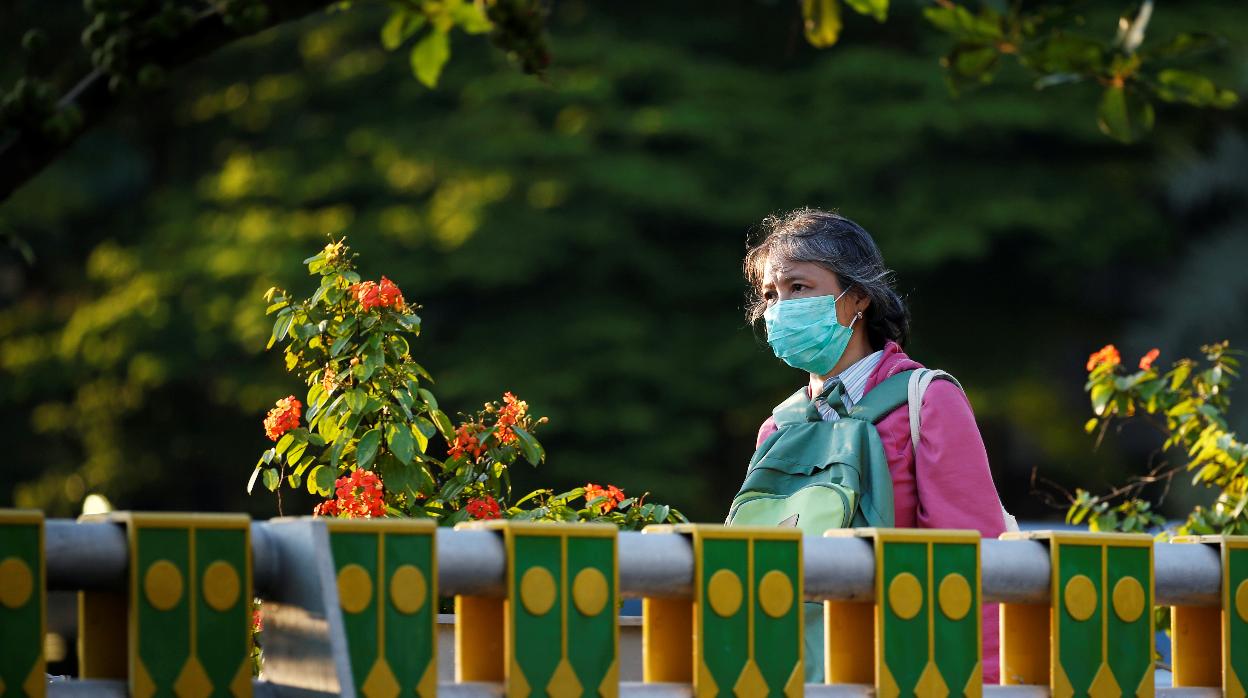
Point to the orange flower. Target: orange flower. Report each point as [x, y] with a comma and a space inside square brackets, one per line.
[1108, 355]
[466, 442]
[329, 507]
[1146, 361]
[390, 295]
[611, 495]
[283, 418]
[360, 495]
[512, 412]
[370, 294]
[485, 507]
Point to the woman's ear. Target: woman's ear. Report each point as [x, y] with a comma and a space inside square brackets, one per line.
[861, 301]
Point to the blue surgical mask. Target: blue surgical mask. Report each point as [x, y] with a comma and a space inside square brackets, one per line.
[804, 332]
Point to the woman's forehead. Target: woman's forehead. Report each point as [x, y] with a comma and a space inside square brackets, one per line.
[782, 269]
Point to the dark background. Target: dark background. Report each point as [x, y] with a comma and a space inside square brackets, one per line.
[578, 240]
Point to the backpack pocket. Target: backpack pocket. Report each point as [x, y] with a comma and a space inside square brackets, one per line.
[818, 507]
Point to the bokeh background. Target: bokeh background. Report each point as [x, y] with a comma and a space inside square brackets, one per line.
[578, 240]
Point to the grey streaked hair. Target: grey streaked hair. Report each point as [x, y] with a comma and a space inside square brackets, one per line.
[842, 247]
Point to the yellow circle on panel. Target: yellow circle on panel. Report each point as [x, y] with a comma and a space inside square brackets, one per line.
[905, 596]
[1080, 597]
[589, 592]
[955, 596]
[724, 593]
[162, 584]
[775, 593]
[1241, 600]
[16, 582]
[1128, 599]
[537, 590]
[221, 585]
[408, 589]
[355, 588]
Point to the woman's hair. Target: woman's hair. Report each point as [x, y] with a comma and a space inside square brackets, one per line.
[842, 247]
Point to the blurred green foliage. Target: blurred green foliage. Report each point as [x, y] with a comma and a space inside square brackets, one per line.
[578, 241]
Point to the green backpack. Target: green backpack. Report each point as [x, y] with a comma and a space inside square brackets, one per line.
[818, 475]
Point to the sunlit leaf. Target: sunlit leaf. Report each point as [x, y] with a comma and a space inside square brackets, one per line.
[822, 21]
[1197, 90]
[400, 27]
[429, 55]
[872, 8]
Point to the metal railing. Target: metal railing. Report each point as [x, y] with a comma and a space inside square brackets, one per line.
[351, 608]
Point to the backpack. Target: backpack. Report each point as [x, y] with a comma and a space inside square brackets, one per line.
[818, 475]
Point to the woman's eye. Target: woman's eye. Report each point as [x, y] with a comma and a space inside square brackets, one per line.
[769, 296]
[798, 288]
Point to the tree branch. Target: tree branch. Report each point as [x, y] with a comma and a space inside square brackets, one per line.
[29, 151]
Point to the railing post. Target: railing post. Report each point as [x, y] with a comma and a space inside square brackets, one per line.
[1100, 617]
[558, 622]
[23, 602]
[745, 618]
[1210, 643]
[926, 638]
[386, 582]
[187, 623]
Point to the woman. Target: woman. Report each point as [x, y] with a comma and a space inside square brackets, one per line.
[944, 480]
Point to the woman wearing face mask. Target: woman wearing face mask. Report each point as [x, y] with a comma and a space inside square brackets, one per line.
[820, 286]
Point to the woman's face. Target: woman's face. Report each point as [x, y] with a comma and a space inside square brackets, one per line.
[787, 281]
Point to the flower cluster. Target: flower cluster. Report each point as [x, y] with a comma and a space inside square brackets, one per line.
[485, 507]
[1146, 361]
[1107, 355]
[283, 418]
[360, 496]
[512, 413]
[466, 442]
[372, 294]
[611, 497]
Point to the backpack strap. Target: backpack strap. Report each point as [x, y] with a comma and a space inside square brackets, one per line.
[915, 388]
[877, 403]
[793, 410]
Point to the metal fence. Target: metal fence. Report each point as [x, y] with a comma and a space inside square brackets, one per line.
[352, 608]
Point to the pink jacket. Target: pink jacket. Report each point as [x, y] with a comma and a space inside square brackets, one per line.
[950, 485]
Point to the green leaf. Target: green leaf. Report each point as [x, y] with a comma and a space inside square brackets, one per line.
[872, 8]
[532, 450]
[281, 327]
[366, 449]
[255, 475]
[1090, 425]
[1065, 54]
[271, 479]
[339, 344]
[322, 480]
[822, 20]
[422, 441]
[971, 65]
[1102, 393]
[285, 442]
[471, 18]
[1124, 114]
[958, 21]
[399, 438]
[356, 400]
[400, 27]
[445, 427]
[428, 398]
[1191, 88]
[296, 452]
[429, 55]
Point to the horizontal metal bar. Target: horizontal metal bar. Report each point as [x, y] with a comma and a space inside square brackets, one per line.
[93, 556]
[60, 687]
